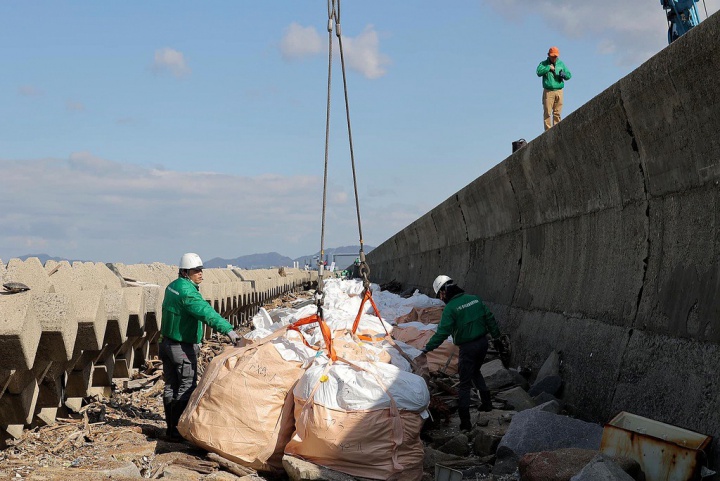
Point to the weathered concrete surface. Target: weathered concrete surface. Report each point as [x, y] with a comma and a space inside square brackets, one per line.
[82, 325]
[59, 326]
[19, 331]
[601, 239]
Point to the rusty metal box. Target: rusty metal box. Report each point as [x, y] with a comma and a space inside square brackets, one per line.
[664, 452]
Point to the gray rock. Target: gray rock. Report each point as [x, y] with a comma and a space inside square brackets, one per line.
[550, 406]
[516, 398]
[519, 379]
[457, 446]
[544, 397]
[559, 465]
[486, 442]
[532, 431]
[178, 473]
[551, 367]
[495, 375]
[299, 470]
[225, 476]
[433, 457]
[548, 384]
[127, 470]
[601, 468]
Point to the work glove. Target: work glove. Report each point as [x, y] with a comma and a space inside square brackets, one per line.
[562, 75]
[498, 345]
[234, 338]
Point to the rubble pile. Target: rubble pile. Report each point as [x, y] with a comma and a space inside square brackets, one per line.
[365, 416]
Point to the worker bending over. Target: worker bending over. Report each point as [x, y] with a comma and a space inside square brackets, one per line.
[184, 311]
[554, 73]
[466, 318]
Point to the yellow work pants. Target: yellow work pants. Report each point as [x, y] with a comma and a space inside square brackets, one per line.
[552, 106]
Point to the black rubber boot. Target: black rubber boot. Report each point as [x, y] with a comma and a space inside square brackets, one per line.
[465, 424]
[171, 430]
[486, 401]
[177, 410]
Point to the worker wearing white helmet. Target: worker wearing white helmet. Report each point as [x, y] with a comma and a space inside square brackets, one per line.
[468, 321]
[184, 311]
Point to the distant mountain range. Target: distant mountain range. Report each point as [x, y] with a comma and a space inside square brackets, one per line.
[343, 256]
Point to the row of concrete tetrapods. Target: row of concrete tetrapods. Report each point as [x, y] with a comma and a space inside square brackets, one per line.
[82, 325]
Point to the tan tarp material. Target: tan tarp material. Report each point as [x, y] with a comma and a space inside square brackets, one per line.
[426, 315]
[354, 350]
[362, 419]
[243, 407]
[443, 359]
[359, 443]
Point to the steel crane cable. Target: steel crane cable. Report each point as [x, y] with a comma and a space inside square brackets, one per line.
[320, 290]
[334, 23]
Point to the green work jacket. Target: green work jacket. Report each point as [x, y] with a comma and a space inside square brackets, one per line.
[466, 318]
[551, 80]
[184, 311]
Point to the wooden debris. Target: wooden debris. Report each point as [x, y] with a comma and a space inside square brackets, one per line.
[231, 466]
[199, 465]
[134, 384]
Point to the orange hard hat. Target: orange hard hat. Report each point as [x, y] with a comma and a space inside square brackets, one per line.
[553, 52]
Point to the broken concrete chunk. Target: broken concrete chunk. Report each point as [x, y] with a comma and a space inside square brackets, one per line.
[495, 375]
[516, 398]
[602, 468]
[534, 431]
[554, 465]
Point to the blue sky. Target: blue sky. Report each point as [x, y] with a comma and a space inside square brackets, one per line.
[135, 131]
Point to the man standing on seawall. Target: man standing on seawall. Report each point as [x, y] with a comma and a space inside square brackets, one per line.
[554, 73]
[184, 311]
[466, 318]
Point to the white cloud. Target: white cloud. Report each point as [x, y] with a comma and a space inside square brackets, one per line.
[172, 61]
[29, 91]
[631, 31]
[362, 53]
[87, 207]
[299, 42]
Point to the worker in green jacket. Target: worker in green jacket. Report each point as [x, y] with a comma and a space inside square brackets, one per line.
[468, 321]
[554, 73]
[184, 311]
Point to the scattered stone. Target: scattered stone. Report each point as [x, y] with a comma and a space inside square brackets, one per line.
[300, 470]
[601, 468]
[559, 465]
[487, 441]
[550, 406]
[433, 457]
[516, 398]
[127, 470]
[458, 446]
[533, 431]
[551, 367]
[519, 379]
[544, 397]
[178, 473]
[495, 375]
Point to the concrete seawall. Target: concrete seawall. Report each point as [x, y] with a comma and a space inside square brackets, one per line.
[82, 326]
[601, 238]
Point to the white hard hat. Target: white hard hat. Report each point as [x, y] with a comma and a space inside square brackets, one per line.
[439, 282]
[190, 261]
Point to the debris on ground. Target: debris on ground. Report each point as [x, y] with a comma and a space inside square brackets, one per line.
[122, 437]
